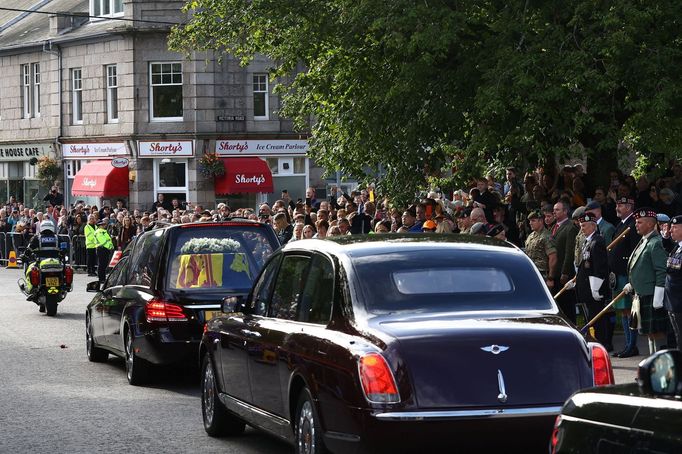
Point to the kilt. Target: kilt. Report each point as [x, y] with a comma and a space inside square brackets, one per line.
[626, 301]
[653, 320]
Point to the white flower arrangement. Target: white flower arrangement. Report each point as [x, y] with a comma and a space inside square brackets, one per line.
[209, 245]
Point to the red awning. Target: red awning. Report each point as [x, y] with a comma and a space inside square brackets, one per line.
[244, 175]
[101, 179]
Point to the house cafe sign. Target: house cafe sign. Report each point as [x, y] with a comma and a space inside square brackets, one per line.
[23, 152]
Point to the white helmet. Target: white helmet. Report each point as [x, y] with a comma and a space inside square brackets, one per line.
[47, 226]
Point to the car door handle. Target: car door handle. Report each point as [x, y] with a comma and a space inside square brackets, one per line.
[249, 333]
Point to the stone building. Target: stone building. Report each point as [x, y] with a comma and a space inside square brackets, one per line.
[92, 84]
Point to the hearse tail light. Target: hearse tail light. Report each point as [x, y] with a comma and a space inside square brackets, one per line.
[602, 372]
[554, 441]
[68, 275]
[34, 275]
[158, 310]
[377, 379]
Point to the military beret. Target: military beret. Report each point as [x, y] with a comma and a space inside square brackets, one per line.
[662, 217]
[676, 220]
[629, 200]
[593, 205]
[535, 215]
[587, 217]
[645, 212]
[577, 213]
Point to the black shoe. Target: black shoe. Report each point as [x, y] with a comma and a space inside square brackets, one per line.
[92, 274]
[629, 353]
[617, 354]
[41, 308]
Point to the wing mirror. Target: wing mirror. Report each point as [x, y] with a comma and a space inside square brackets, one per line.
[660, 373]
[94, 287]
[233, 304]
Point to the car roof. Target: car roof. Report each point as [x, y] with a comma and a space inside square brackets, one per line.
[239, 222]
[364, 245]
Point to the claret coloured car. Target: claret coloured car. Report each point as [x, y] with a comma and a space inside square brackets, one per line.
[395, 343]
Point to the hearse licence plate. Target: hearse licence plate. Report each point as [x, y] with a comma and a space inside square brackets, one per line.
[52, 281]
[208, 315]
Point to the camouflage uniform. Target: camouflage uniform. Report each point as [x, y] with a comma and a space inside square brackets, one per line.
[539, 246]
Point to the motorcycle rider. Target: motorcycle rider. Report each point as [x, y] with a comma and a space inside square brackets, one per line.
[44, 244]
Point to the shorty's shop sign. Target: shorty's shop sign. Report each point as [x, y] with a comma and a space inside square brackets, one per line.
[231, 147]
[24, 152]
[166, 149]
[93, 150]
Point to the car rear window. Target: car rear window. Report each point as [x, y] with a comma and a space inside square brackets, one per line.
[218, 257]
[448, 280]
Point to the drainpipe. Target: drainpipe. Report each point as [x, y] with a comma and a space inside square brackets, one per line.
[48, 48]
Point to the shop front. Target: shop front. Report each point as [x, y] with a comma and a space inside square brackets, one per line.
[286, 167]
[170, 164]
[96, 173]
[18, 167]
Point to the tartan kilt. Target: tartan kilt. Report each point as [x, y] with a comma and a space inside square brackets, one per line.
[653, 320]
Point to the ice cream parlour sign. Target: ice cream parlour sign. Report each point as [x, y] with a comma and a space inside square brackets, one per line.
[24, 152]
[93, 150]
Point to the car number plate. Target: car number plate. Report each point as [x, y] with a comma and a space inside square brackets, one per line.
[208, 315]
[52, 281]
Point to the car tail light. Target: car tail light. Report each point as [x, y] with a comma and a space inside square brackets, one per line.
[377, 379]
[34, 275]
[602, 372]
[68, 275]
[554, 441]
[158, 310]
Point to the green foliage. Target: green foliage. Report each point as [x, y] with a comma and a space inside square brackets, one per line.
[395, 86]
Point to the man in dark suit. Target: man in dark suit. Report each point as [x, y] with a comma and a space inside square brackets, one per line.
[563, 234]
[673, 280]
[592, 284]
[618, 264]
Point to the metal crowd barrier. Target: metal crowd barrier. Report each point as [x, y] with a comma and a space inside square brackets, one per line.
[74, 247]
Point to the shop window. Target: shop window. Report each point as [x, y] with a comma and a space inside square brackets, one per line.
[106, 8]
[260, 96]
[112, 93]
[170, 178]
[77, 96]
[165, 80]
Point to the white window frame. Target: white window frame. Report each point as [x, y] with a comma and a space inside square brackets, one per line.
[73, 166]
[26, 90]
[158, 189]
[152, 85]
[98, 8]
[35, 67]
[77, 96]
[257, 82]
[111, 74]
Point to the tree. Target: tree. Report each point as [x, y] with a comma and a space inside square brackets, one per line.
[412, 88]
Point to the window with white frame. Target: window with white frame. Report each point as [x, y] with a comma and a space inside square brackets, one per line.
[26, 90]
[106, 8]
[72, 167]
[77, 95]
[260, 96]
[165, 91]
[36, 89]
[30, 90]
[112, 94]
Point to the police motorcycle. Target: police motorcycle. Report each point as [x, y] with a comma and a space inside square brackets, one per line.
[47, 276]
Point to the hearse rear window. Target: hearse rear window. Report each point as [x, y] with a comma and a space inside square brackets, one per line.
[452, 280]
[217, 257]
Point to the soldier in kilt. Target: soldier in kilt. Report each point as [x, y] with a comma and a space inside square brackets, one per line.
[646, 273]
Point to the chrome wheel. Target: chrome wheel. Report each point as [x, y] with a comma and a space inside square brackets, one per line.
[95, 354]
[208, 395]
[88, 337]
[306, 429]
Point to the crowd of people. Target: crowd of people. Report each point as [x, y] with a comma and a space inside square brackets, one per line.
[547, 212]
